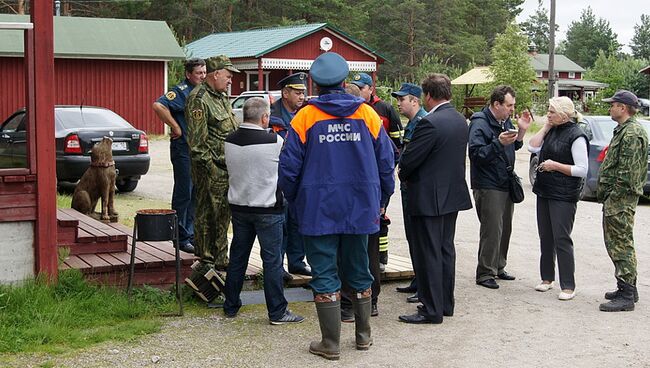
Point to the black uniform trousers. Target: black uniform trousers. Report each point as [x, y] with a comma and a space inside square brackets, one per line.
[435, 263]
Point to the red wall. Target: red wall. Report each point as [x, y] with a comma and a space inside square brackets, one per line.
[126, 87]
[309, 48]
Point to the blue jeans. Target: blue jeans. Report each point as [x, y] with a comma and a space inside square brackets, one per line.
[183, 197]
[292, 244]
[352, 254]
[268, 229]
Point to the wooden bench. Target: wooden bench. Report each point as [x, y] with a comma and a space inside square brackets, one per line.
[473, 104]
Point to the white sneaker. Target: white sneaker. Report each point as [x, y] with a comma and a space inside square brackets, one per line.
[544, 287]
[567, 296]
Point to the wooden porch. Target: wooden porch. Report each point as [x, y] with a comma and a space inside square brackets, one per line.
[102, 252]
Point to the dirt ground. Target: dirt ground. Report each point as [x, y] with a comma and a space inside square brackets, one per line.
[514, 326]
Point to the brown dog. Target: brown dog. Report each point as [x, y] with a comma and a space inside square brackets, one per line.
[97, 182]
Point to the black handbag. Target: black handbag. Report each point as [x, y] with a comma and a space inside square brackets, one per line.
[514, 182]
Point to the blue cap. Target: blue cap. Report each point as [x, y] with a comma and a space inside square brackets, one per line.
[408, 89]
[329, 70]
[295, 81]
[362, 80]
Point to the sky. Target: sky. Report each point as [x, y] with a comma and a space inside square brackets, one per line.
[622, 15]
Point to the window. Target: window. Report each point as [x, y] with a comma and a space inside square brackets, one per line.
[252, 83]
[572, 75]
[540, 74]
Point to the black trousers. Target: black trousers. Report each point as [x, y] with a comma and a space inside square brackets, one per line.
[555, 223]
[435, 262]
[373, 263]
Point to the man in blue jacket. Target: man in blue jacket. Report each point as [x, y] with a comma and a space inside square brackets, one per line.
[336, 170]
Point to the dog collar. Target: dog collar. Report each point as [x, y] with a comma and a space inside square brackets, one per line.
[102, 164]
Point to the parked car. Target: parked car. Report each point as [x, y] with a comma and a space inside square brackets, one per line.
[77, 129]
[599, 131]
[238, 103]
[644, 107]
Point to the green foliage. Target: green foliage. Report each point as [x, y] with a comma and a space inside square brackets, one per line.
[587, 36]
[640, 44]
[619, 73]
[537, 28]
[39, 316]
[511, 65]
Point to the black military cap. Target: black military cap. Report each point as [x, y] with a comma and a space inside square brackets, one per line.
[295, 81]
[624, 97]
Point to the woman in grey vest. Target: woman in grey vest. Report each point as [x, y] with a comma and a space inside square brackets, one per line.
[562, 147]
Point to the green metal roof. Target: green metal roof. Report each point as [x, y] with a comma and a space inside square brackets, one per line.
[562, 63]
[258, 42]
[101, 38]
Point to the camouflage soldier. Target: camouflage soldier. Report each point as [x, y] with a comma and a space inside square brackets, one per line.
[210, 119]
[620, 183]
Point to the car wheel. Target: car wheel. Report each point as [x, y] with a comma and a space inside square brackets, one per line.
[127, 185]
[532, 169]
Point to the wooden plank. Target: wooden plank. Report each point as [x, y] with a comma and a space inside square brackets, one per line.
[94, 247]
[148, 259]
[96, 263]
[14, 200]
[65, 220]
[99, 235]
[168, 259]
[17, 188]
[84, 237]
[114, 262]
[167, 247]
[87, 223]
[77, 263]
[17, 214]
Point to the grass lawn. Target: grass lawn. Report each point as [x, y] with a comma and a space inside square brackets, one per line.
[38, 316]
[126, 204]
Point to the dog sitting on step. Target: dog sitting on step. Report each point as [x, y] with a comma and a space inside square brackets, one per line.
[98, 182]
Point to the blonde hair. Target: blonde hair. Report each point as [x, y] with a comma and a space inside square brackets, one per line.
[564, 106]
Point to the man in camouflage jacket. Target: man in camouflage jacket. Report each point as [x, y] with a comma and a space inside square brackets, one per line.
[621, 179]
[210, 119]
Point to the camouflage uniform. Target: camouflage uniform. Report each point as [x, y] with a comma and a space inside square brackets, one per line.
[620, 183]
[210, 119]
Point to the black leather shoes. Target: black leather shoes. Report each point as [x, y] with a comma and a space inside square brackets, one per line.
[406, 289]
[505, 276]
[305, 271]
[417, 318]
[286, 276]
[413, 298]
[489, 283]
[374, 311]
[422, 311]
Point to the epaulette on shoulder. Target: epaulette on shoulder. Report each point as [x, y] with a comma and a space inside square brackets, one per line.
[200, 93]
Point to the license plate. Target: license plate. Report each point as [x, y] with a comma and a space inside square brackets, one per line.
[119, 146]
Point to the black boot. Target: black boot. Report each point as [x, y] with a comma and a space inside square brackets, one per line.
[623, 302]
[362, 310]
[328, 307]
[610, 295]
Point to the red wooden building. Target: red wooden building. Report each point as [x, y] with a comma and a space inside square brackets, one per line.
[120, 64]
[267, 55]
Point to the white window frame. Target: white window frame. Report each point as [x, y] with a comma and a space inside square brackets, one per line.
[540, 74]
[572, 75]
[248, 80]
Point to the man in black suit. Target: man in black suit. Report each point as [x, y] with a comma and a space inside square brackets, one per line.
[433, 165]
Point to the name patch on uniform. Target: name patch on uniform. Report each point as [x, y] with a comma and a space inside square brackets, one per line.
[197, 114]
[170, 95]
[339, 133]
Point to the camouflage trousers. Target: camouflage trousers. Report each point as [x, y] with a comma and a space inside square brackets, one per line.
[618, 231]
[211, 221]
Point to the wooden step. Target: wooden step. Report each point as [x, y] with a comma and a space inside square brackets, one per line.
[85, 235]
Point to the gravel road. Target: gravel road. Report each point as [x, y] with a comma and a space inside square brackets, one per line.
[514, 326]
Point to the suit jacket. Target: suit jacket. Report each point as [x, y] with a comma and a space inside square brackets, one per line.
[433, 164]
